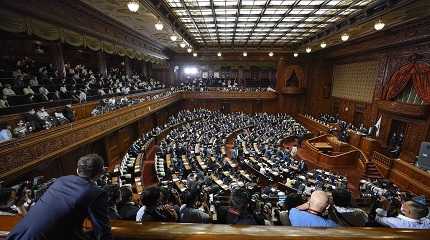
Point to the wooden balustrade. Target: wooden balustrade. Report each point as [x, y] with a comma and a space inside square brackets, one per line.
[346, 157]
[230, 95]
[173, 231]
[405, 175]
[312, 125]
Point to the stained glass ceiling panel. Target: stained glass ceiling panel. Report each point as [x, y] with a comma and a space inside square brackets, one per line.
[260, 22]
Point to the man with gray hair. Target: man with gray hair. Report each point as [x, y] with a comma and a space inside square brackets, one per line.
[60, 212]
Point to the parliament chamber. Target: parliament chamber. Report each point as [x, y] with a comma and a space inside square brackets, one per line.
[215, 119]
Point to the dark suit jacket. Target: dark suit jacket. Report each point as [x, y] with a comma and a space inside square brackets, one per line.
[128, 211]
[61, 210]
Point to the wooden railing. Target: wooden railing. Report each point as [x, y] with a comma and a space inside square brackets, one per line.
[229, 95]
[407, 176]
[173, 231]
[346, 158]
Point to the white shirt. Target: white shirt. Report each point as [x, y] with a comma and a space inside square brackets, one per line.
[401, 221]
[140, 214]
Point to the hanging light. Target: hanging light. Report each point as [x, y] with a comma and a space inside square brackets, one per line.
[379, 25]
[296, 54]
[159, 26]
[323, 45]
[133, 6]
[195, 54]
[270, 54]
[219, 54]
[245, 54]
[182, 44]
[173, 37]
[344, 37]
[308, 49]
[189, 50]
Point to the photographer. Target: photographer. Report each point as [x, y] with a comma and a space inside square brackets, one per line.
[189, 212]
[10, 203]
[412, 214]
[239, 212]
[310, 214]
[343, 213]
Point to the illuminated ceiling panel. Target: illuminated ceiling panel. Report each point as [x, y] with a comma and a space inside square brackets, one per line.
[260, 22]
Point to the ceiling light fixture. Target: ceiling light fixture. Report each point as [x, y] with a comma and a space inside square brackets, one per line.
[308, 49]
[296, 54]
[379, 25]
[344, 37]
[245, 54]
[270, 54]
[323, 45]
[189, 50]
[159, 26]
[219, 54]
[182, 44]
[133, 6]
[174, 37]
[195, 54]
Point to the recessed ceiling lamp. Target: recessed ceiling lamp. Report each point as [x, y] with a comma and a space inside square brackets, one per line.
[296, 54]
[182, 44]
[174, 37]
[245, 54]
[219, 54]
[270, 54]
[133, 6]
[159, 26]
[189, 50]
[344, 37]
[195, 54]
[323, 45]
[308, 49]
[379, 25]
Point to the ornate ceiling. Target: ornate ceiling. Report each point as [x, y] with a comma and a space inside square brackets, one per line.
[260, 23]
[142, 21]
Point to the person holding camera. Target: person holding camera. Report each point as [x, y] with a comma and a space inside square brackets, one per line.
[190, 212]
[413, 214]
[310, 214]
[62, 209]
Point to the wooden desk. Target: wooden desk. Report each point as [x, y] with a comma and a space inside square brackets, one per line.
[323, 146]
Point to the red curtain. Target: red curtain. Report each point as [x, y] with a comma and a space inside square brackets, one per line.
[398, 81]
[421, 81]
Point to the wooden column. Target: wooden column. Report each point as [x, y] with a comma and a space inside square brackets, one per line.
[56, 53]
[144, 68]
[101, 60]
[128, 70]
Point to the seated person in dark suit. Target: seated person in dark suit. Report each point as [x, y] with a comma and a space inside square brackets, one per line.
[69, 113]
[127, 209]
[62, 209]
[239, 212]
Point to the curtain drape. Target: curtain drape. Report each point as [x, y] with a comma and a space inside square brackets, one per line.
[418, 73]
[421, 81]
[398, 81]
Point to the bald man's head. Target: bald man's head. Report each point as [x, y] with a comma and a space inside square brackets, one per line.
[319, 201]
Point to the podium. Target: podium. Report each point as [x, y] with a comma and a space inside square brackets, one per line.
[369, 145]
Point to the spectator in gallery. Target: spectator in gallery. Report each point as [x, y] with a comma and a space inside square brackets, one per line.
[27, 90]
[7, 90]
[43, 91]
[34, 82]
[413, 214]
[5, 132]
[62, 209]
[63, 92]
[82, 96]
[310, 214]
[69, 113]
[342, 211]
[3, 102]
[127, 209]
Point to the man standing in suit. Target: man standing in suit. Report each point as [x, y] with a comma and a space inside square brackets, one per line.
[60, 212]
